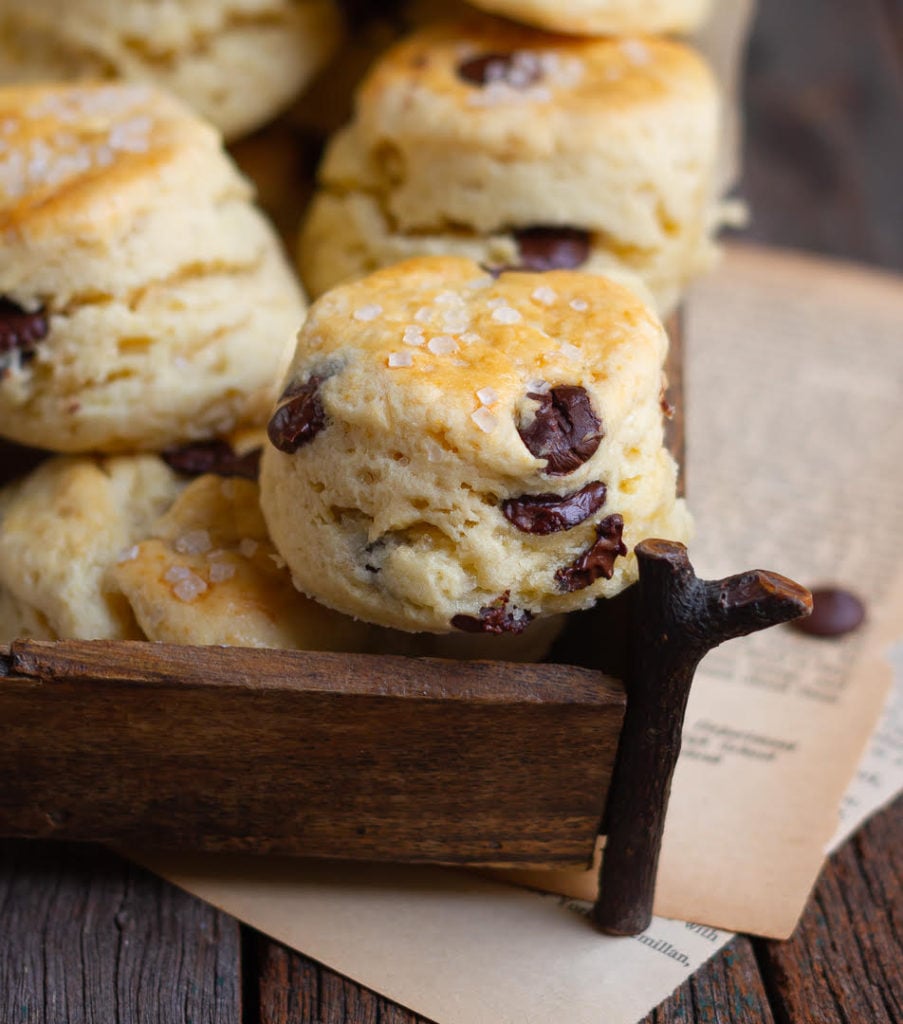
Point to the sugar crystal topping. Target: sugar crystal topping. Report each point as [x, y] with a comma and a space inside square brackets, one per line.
[187, 585]
[88, 128]
[434, 451]
[195, 542]
[506, 315]
[397, 360]
[525, 77]
[545, 295]
[442, 345]
[484, 419]
[368, 312]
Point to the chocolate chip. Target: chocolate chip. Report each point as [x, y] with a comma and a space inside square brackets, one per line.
[834, 613]
[552, 248]
[20, 331]
[564, 430]
[549, 513]
[496, 618]
[213, 457]
[518, 70]
[299, 419]
[598, 560]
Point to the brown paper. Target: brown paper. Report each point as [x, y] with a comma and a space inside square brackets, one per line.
[794, 432]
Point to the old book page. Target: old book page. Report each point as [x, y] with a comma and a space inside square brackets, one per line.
[795, 436]
[795, 384]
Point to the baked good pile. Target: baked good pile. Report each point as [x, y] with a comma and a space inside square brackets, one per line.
[462, 439]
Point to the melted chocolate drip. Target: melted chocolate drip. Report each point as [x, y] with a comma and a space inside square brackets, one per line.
[550, 513]
[565, 431]
[496, 618]
[299, 419]
[598, 561]
[213, 457]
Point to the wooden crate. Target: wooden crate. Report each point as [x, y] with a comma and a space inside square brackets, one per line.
[377, 757]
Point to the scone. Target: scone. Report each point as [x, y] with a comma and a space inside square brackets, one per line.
[603, 17]
[61, 527]
[236, 62]
[456, 451]
[518, 148]
[207, 573]
[144, 301]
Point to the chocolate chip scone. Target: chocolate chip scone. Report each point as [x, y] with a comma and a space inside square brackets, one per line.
[603, 17]
[207, 573]
[518, 148]
[456, 451]
[236, 62]
[144, 301]
[61, 528]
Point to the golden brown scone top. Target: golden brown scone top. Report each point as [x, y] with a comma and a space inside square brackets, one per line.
[78, 156]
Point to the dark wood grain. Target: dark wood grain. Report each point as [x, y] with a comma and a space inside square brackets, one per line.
[86, 937]
[294, 989]
[326, 755]
[824, 103]
[846, 955]
[726, 990]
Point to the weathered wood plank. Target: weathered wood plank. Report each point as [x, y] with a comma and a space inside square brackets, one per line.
[846, 955]
[87, 938]
[727, 990]
[824, 153]
[306, 753]
[296, 990]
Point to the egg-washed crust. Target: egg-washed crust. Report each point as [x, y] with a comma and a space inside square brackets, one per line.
[604, 17]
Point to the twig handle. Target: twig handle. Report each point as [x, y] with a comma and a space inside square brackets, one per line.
[677, 619]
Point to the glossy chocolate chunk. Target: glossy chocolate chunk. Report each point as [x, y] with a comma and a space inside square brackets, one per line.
[20, 331]
[564, 430]
[518, 70]
[598, 561]
[550, 513]
[213, 457]
[552, 248]
[299, 419]
[834, 613]
[496, 618]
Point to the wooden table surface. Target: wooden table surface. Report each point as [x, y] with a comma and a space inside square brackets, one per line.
[87, 937]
